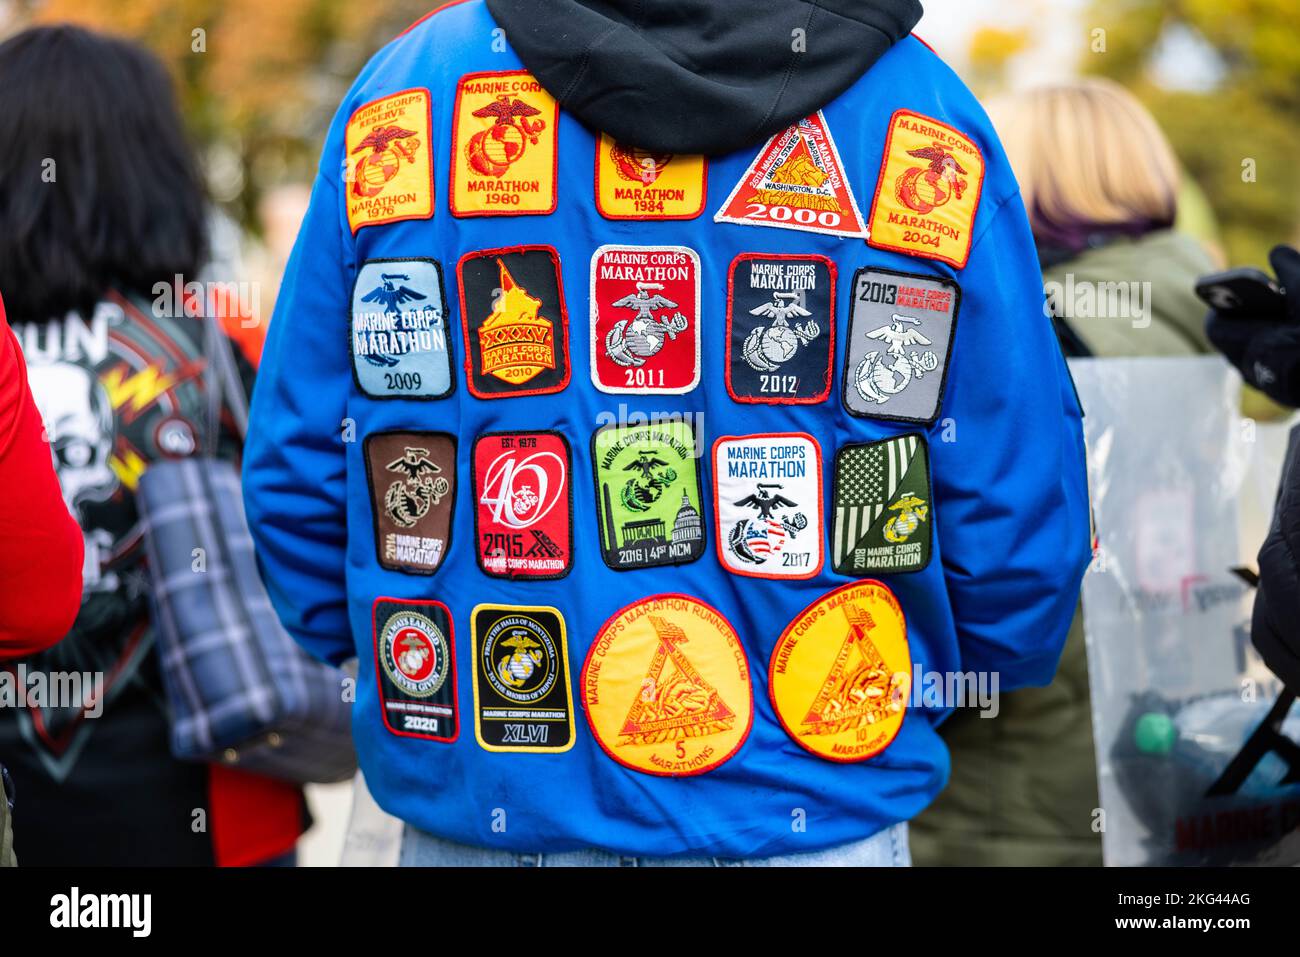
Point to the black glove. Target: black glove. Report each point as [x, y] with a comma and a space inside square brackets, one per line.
[1266, 353]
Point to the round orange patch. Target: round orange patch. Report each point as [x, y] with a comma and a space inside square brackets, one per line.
[666, 687]
[841, 673]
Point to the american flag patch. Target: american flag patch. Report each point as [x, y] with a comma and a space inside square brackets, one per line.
[881, 521]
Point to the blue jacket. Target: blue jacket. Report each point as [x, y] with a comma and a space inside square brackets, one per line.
[1002, 521]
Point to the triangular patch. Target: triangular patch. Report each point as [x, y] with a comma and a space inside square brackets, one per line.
[797, 182]
[857, 691]
[683, 703]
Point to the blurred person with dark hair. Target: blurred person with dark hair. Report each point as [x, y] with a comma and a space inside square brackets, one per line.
[102, 221]
[1101, 185]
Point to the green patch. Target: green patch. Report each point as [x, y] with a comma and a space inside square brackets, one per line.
[883, 520]
[648, 495]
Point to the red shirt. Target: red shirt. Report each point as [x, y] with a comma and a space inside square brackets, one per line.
[40, 544]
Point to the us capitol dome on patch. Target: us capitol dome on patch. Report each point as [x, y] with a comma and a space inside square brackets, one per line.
[687, 526]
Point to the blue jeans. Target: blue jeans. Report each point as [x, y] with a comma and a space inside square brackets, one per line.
[887, 848]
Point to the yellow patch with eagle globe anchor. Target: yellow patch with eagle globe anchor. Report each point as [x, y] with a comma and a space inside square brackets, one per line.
[633, 183]
[390, 161]
[929, 190]
[504, 159]
[841, 673]
[666, 687]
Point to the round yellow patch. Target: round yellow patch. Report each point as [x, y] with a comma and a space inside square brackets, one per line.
[666, 687]
[841, 672]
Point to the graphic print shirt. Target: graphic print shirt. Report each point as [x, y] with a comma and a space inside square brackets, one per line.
[118, 390]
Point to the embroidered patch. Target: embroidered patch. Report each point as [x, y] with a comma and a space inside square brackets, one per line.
[780, 328]
[412, 477]
[523, 510]
[666, 687]
[516, 326]
[929, 190]
[840, 673]
[523, 699]
[648, 495]
[504, 155]
[633, 183]
[415, 662]
[390, 160]
[767, 496]
[882, 522]
[400, 346]
[901, 329]
[645, 319]
[796, 182]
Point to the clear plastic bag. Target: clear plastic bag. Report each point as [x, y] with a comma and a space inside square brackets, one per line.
[1176, 686]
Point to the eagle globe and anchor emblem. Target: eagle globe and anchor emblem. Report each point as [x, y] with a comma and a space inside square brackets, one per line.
[766, 348]
[759, 537]
[392, 293]
[926, 188]
[516, 668]
[521, 655]
[877, 377]
[638, 165]
[632, 341]
[415, 654]
[652, 476]
[408, 500]
[493, 151]
[912, 512]
[388, 146]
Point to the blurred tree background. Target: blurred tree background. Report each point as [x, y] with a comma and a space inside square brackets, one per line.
[258, 80]
[1236, 126]
[1222, 78]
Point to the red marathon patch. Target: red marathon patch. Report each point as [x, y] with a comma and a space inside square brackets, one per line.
[645, 319]
[523, 512]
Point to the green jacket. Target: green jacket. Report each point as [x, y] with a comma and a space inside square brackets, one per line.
[1023, 789]
[1151, 284]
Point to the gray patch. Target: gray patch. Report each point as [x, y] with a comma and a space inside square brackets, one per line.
[400, 347]
[900, 339]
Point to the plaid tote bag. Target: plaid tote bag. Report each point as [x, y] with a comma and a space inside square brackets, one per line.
[240, 690]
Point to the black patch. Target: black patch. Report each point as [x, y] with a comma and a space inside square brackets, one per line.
[415, 664]
[515, 322]
[523, 697]
[780, 328]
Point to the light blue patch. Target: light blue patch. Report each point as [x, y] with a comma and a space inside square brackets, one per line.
[401, 347]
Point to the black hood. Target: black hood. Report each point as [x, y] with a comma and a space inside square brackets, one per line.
[699, 76]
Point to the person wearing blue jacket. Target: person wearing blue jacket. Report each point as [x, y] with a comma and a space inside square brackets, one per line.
[661, 407]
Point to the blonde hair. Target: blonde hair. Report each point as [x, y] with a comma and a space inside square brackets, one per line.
[1087, 152]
